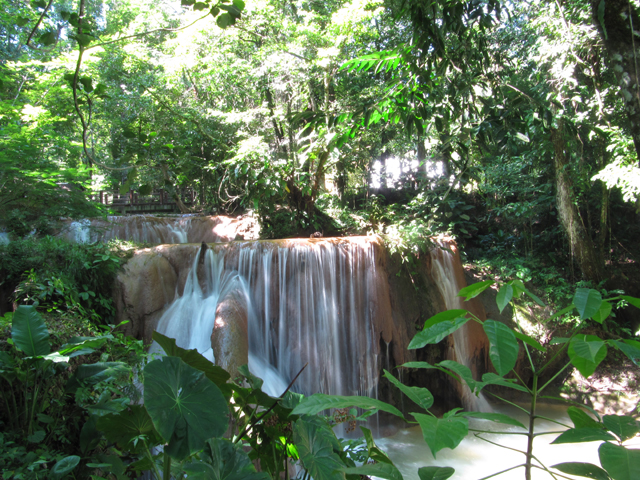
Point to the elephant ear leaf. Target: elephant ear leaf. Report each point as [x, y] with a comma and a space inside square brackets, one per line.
[29, 332]
[194, 359]
[317, 446]
[185, 406]
[223, 460]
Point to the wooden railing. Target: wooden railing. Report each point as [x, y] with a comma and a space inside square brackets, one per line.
[133, 201]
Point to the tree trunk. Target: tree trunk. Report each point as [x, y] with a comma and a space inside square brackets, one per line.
[616, 21]
[181, 206]
[582, 247]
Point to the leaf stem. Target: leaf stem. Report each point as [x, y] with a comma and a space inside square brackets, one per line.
[501, 472]
[166, 469]
[531, 436]
[554, 377]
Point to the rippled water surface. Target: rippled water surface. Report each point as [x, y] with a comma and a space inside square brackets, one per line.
[474, 458]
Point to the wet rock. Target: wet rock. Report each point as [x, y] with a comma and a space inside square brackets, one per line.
[229, 339]
[143, 289]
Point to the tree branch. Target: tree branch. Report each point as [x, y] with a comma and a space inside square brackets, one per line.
[149, 32]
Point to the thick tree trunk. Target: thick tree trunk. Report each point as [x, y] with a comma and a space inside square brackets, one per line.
[616, 21]
[582, 247]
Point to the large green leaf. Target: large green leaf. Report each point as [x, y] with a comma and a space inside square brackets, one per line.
[503, 350]
[621, 425]
[216, 374]
[631, 348]
[582, 419]
[587, 302]
[419, 365]
[65, 466]
[462, 370]
[318, 402]
[447, 315]
[89, 435]
[93, 373]
[586, 352]
[493, 379]
[436, 333]
[185, 406]
[518, 288]
[373, 452]
[127, 427]
[29, 332]
[317, 446]
[380, 470]
[475, 289]
[619, 462]
[505, 294]
[442, 433]
[223, 460]
[419, 395]
[435, 473]
[603, 312]
[581, 435]
[494, 417]
[82, 345]
[588, 470]
[632, 300]
[529, 341]
[107, 406]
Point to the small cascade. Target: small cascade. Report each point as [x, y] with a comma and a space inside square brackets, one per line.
[155, 230]
[303, 301]
[80, 231]
[449, 276]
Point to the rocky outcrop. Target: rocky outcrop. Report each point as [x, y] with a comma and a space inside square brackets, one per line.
[230, 336]
[142, 291]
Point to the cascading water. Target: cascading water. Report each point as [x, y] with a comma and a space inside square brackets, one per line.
[191, 317]
[304, 301]
[154, 229]
[443, 270]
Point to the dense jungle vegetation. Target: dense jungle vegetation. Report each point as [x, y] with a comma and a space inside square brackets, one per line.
[512, 126]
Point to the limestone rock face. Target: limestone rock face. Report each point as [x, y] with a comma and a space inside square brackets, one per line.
[143, 289]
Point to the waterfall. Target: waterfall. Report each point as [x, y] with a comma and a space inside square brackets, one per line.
[334, 303]
[303, 301]
[155, 230]
[448, 275]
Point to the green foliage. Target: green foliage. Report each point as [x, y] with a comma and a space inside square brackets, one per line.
[187, 411]
[43, 432]
[441, 433]
[53, 274]
[185, 406]
[585, 352]
[318, 448]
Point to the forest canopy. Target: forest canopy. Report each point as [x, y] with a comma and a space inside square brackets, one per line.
[514, 126]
